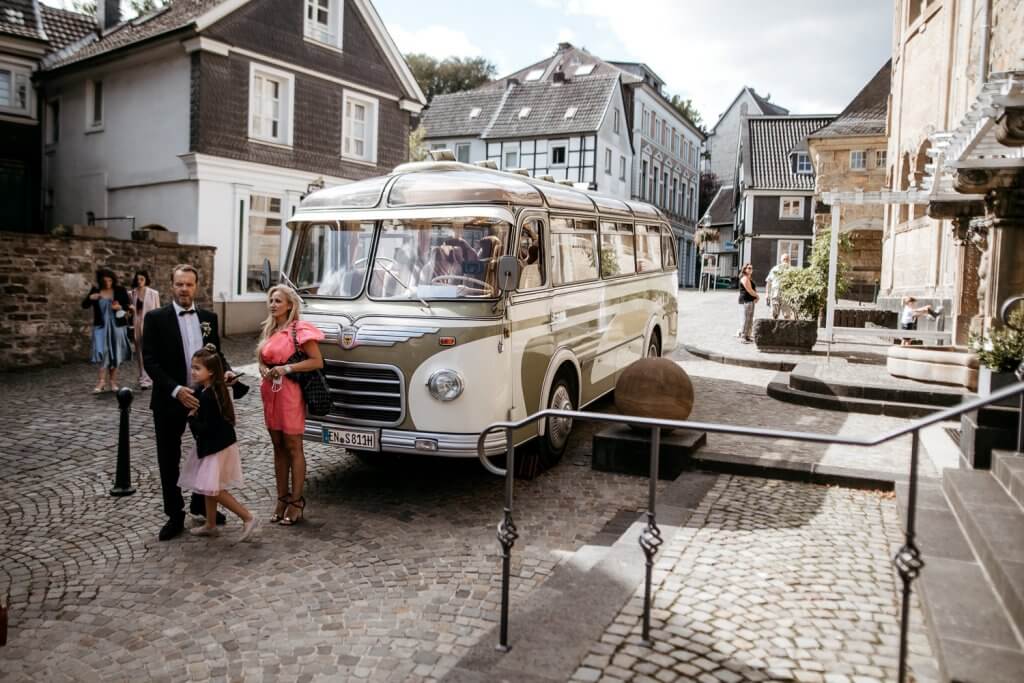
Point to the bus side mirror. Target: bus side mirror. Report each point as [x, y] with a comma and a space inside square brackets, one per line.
[265, 275]
[508, 273]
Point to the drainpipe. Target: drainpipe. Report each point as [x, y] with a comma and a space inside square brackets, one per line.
[986, 31]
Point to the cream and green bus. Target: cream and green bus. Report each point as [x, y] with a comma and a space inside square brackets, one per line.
[453, 296]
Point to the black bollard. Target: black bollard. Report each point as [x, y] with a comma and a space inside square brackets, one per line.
[123, 477]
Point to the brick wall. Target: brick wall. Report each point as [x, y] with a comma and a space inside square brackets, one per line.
[43, 280]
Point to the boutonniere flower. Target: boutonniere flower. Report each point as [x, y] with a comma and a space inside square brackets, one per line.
[206, 329]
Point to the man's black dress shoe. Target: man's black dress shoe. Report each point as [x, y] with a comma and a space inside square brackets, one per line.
[173, 528]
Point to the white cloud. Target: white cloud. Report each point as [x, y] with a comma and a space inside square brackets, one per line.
[435, 40]
[566, 35]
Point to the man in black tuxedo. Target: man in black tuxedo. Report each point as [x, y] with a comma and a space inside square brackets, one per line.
[171, 335]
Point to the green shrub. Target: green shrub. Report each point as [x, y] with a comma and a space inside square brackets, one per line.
[806, 289]
[1003, 349]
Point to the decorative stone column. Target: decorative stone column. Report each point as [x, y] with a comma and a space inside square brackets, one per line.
[1004, 216]
[964, 215]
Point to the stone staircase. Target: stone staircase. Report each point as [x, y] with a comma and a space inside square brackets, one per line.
[970, 529]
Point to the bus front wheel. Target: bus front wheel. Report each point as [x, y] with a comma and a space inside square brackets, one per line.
[558, 429]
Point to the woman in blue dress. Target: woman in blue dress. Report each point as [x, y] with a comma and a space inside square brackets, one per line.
[110, 305]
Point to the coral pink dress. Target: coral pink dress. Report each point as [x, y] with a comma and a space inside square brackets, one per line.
[283, 407]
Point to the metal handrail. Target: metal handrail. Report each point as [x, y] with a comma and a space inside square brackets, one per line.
[907, 560]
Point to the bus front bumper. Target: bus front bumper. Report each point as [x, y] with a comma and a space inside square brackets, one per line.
[423, 443]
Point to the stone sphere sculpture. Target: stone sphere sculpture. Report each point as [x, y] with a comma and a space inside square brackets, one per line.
[654, 387]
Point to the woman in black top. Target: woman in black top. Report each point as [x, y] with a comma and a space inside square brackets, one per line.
[748, 297]
[110, 305]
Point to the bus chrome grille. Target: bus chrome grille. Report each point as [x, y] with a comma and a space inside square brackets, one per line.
[364, 393]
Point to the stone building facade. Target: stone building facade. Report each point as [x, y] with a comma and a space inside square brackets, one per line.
[849, 154]
[43, 280]
[941, 60]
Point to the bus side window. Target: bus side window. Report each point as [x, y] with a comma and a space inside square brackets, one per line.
[531, 255]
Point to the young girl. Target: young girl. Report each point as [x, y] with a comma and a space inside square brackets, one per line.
[214, 463]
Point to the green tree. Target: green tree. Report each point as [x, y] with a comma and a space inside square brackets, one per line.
[689, 111]
[709, 184]
[417, 150]
[453, 74]
[806, 289]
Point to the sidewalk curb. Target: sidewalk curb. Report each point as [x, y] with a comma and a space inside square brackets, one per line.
[803, 472]
[779, 365]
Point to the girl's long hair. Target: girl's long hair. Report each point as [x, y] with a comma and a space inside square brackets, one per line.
[210, 359]
[293, 315]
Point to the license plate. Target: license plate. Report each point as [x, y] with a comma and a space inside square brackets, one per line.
[357, 439]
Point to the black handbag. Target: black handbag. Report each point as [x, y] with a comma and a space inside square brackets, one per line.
[315, 392]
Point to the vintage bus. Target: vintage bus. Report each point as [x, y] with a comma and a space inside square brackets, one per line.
[455, 295]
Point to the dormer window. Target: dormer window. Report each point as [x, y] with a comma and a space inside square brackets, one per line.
[323, 22]
[474, 112]
[802, 163]
[535, 75]
[570, 112]
[15, 89]
[584, 70]
[524, 112]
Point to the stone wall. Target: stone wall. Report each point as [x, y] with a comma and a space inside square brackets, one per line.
[43, 280]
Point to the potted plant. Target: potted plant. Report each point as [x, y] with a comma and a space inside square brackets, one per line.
[805, 291]
[1000, 354]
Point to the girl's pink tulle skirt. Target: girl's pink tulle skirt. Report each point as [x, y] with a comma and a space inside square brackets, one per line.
[212, 474]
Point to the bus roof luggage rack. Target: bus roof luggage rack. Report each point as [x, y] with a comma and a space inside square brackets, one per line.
[520, 171]
[567, 182]
[547, 177]
[442, 154]
[487, 163]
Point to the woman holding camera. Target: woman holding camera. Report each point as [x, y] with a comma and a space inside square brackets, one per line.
[110, 305]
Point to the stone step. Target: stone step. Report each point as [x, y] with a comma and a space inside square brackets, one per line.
[1008, 468]
[968, 627]
[993, 522]
[804, 378]
[780, 389]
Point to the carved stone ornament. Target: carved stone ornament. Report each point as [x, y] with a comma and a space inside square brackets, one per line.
[1005, 206]
[972, 180]
[1010, 127]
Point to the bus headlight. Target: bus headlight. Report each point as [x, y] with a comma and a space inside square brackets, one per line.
[445, 385]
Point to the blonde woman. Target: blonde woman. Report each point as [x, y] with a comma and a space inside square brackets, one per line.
[143, 299]
[283, 407]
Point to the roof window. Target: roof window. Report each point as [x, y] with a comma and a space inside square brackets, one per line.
[570, 112]
[535, 75]
[524, 112]
[584, 69]
[474, 112]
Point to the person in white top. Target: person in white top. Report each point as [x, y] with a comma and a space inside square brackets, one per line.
[909, 315]
[773, 285]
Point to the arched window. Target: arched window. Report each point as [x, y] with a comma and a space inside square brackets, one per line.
[904, 185]
[919, 162]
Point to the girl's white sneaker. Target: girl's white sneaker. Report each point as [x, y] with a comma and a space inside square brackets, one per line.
[204, 531]
[249, 529]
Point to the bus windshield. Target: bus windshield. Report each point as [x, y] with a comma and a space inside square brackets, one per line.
[415, 259]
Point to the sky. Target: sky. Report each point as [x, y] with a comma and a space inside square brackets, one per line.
[811, 56]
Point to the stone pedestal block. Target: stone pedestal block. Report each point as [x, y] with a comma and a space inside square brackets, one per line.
[785, 336]
[160, 236]
[626, 451]
[985, 430]
[95, 231]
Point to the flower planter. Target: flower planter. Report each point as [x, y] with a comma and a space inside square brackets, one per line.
[990, 381]
[785, 336]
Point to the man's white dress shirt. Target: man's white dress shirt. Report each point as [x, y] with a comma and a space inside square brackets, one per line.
[191, 337]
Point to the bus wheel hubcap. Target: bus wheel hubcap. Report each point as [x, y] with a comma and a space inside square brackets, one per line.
[559, 427]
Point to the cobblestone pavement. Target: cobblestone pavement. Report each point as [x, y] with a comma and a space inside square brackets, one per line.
[769, 580]
[393, 577]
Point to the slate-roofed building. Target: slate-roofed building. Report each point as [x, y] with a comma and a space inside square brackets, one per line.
[849, 154]
[214, 117]
[28, 31]
[775, 192]
[574, 116]
[723, 140]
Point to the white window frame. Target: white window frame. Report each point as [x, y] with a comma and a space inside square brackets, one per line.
[242, 256]
[51, 123]
[312, 31]
[615, 121]
[608, 160]
[286, 110]
[92, 125]
[474, 112]
[466, 146]
[792, 246]
[372, 105]
[505, 151]
[622, 167]
[863, 159]
[783, 215]
[551, 154]
[881, 157]
[797, 165]
[23, 72]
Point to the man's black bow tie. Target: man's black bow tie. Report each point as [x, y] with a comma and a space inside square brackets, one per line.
[190, 311]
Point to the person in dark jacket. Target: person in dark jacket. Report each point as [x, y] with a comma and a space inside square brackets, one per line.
[110, 305]
[214, 464]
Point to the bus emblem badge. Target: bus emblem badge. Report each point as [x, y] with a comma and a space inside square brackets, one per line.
[348, 338]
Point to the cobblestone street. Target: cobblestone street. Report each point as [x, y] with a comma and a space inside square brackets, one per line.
[395, 576]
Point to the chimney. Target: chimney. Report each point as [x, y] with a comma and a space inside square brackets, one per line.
[108, 14]
[559, 75]
[562, 47]
[511, 83]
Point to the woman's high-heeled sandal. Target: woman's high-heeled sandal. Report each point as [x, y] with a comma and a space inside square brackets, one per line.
[300, 505]
[286, 499]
